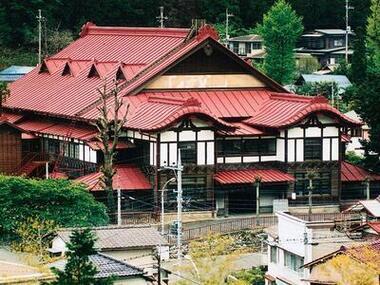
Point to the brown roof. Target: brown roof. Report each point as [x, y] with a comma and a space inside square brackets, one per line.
[113, 237]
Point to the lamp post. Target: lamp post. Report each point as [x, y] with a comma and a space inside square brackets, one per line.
[163, 189]
[257, 184]
[310, 176]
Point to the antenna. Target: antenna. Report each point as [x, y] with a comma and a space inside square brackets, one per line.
[40, 19]
[348, 28]
[228, 15]
[161, 18]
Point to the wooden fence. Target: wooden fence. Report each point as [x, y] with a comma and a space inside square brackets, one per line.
[238, 224]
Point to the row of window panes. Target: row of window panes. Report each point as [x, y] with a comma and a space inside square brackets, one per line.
[321, 183]
[291, 261]
[246, 147]
[313, 148]
[68, 149]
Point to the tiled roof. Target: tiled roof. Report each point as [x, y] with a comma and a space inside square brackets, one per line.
[123, 237]
[106, 266]
[127, 177]
[355, 173]
[248, 176]
[246, 38]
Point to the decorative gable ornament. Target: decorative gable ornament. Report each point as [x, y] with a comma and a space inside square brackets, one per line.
[207, 31]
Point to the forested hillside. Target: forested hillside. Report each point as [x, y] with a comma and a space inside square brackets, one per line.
[18, 23]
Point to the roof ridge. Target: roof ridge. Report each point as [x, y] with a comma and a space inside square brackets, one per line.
[108, 227]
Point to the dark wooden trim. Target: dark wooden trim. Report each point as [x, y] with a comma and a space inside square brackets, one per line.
[286, 146]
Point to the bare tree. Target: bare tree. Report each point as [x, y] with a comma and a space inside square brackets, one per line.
[109, 124]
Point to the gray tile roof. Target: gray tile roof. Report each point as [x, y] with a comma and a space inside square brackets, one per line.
[113, 237]
[14, 72]
[246, 38]
[106, 267]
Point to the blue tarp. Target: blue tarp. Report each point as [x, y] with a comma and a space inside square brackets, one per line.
[14, 72]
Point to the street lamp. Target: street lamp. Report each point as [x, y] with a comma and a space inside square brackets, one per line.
[163, 189]
[257, 184]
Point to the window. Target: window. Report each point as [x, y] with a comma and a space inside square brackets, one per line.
[313, 148]
[268, 146]
[292, 261]
[273, 254]
[256, 45]
[321, 183]
[240, 147]
[229, 147]
[338, 43]
[188, 152]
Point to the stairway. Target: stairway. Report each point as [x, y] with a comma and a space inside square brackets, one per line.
[29, 167]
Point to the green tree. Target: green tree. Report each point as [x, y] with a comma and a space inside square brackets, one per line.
[34, 236]
[79, 269]
[280, 30]
[358, 72]
[373, 33]
[307, 65]
[59, 200]
[4, 94]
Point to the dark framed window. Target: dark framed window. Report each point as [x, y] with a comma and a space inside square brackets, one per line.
[237, 147]
[229, 147]
[293, 261]
[321, 183]
[251, 146]
[188, 152]
[313, 149]
[256, 45]
[273, 254]
[268, 146]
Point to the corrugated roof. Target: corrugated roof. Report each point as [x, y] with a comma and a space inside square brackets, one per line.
[245, 176]
[14, 72]
[59, 129]
[341, 80]
[127, 177]
[123, 237]
[282, 110]
[355, 173]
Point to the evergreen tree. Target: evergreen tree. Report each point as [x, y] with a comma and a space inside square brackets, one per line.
[280, 30]
[79, 270]
[358, 71]
[373, 34]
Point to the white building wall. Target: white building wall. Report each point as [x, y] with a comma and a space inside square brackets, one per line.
[210, 153]
[300, 150]
[201, 155]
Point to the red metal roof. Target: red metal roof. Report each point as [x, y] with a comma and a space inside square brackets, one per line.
[141, 54]
[241, 129]
[283, 110]
[127, 177]
[159, 112]
[245, 176]
[10, 117]
[59, 129]
[355, 173]
[375, 226]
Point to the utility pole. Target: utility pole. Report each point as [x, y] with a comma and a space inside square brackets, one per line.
[118, 207]
[39, 19]
[163, 204]
[367, 187]
[348, 28]
[179, 204]
[47, 170]
[161, 18]
[257, 184]
[310, 176]
[228, 15]
[178, 168]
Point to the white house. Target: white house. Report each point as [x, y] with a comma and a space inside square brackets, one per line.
[296, 242]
